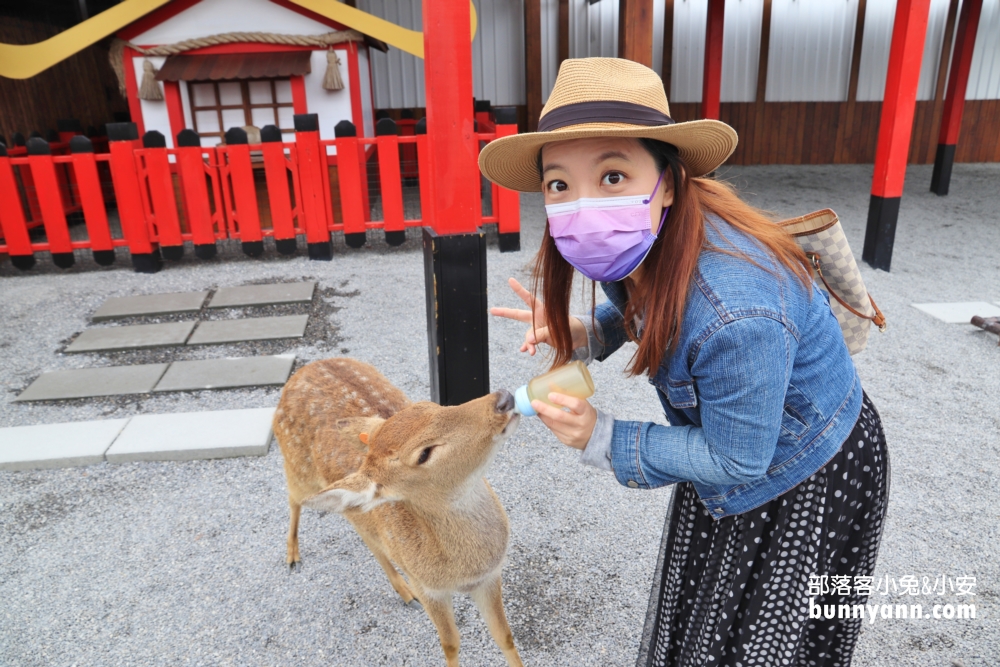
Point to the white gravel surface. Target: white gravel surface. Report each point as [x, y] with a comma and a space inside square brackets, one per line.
[183, 563]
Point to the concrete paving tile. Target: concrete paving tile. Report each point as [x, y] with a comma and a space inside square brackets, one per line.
[85, 382]
[960, 312]
[189, 436]
[132, 337]
[251, 328]
[150, 304]
[262, 295]
[225, 373]
[57, 445]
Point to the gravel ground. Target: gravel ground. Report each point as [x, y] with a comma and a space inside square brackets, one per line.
[183, 563]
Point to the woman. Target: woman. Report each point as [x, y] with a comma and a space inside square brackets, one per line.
[778, 455]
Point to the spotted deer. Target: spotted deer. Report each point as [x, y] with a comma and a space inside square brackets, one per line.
[409, 478]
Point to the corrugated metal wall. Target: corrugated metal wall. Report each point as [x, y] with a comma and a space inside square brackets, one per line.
[810, 58]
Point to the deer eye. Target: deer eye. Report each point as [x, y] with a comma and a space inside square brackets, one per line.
[424, 455]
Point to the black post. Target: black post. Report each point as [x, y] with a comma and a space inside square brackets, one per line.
[941, 176]
[881, 231]
[457, 325]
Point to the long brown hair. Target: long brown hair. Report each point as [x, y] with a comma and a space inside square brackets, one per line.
[670, 265]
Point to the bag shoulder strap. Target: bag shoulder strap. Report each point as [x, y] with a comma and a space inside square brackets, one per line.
[878, 319]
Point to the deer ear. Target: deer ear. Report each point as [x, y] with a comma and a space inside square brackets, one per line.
[354, 492]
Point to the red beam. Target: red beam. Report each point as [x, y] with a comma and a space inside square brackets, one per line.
[900, 99]
[909, 32]
[711, 90]
[448, 84]
[954, 101]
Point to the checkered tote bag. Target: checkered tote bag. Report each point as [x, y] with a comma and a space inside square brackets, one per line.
[836, 272]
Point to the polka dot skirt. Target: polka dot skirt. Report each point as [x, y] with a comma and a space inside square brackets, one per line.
[735, 591]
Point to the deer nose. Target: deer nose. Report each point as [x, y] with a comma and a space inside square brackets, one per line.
[505, 401]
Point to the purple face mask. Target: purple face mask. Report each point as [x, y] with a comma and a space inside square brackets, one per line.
[604, 238]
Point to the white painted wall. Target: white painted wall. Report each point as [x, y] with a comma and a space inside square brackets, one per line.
[212, 17]
[367, 105]
[154, 114]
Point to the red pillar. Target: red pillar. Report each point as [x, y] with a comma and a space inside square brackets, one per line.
[454, 249]
[954, 101]
[711, 89]
[895, 126]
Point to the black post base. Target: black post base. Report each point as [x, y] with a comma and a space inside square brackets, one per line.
[457, 331]
[172, 252]
[881, 231]
[253, 248]
[395, 238]
[285, 246]
[510, 242]
[356, 239]
[148, 262]
[63, 260]
[104, 257]
[322, 251]
[22, 262]
[941, 177]
[205, 251]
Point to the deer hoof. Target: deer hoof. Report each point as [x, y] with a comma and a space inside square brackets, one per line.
[294, 566]
[413, 604]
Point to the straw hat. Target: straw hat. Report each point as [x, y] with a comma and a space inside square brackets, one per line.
[605, 97]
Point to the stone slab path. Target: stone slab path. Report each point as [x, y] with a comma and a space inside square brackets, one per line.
[57, 445]
[262, 295]
[150, 304]
[170, 437]
[145, 378]
[959, 313]
[132, 337]
[194, 435]
[253, 328]
[226, 373]
[88, 382]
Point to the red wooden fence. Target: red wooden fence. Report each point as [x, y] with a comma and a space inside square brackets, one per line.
[166, 198]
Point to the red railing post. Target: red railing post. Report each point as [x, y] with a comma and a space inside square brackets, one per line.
[507, 202]
[191, 169]
[277, 173]
[244, 193]
[125, 177]
[408, 152]
[390, 181]
[12, 220]
[95, 216]
[315, 185]
[43, 172]
[424, 165]
[351, 182]
[162, 200]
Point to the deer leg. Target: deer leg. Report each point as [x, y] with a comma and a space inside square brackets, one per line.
[395, 578]
[489, 600]
[439, 608]
[292, 559]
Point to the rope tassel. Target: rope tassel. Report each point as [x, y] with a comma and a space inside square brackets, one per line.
[149, 89]
[332, 80]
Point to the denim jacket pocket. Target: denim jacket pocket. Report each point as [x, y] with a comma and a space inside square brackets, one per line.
[792, 424]
[799, 413]
[681, 394]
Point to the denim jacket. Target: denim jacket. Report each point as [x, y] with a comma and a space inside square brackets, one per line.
[760, 391]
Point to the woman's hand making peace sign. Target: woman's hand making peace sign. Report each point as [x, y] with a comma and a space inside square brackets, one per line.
[574, 423]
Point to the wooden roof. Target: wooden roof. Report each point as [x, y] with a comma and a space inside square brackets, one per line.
[226, 66]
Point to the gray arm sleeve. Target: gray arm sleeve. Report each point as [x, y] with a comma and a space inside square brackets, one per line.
[597, 453]
[586, 353]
